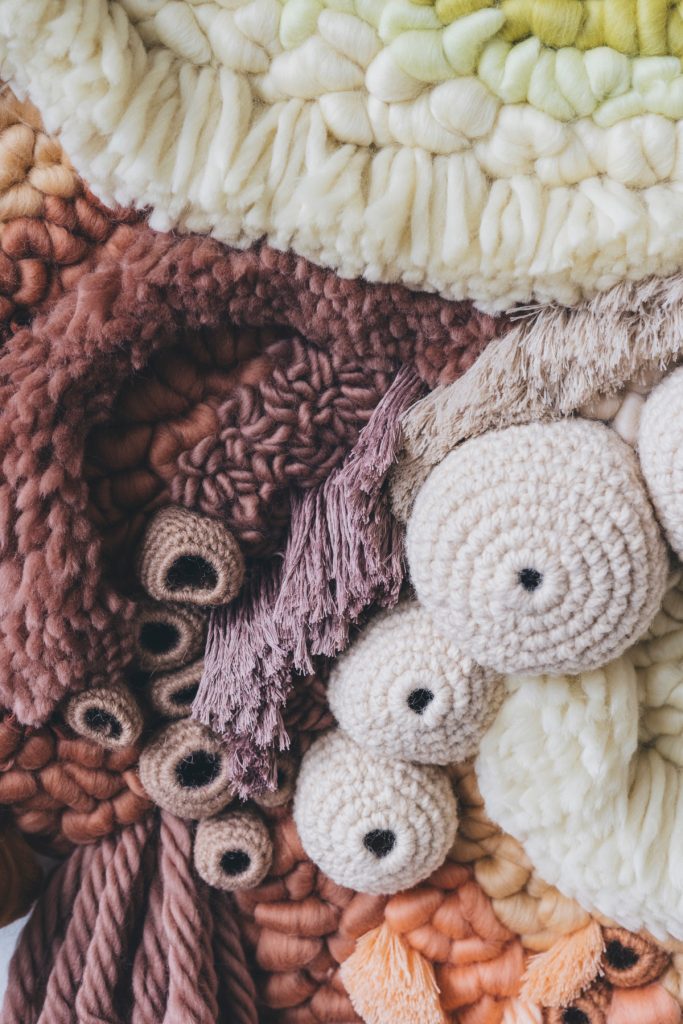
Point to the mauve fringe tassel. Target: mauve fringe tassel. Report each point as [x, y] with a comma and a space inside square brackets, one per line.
[125, 934]
[344, 553]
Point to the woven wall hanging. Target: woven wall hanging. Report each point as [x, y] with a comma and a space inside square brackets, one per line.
[341, 511]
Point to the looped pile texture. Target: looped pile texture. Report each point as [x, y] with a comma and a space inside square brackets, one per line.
[504, 152]
[536, 548]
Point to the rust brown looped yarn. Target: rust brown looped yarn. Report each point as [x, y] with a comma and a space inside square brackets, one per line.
[63, 627]
[62, 790]
[50, 225]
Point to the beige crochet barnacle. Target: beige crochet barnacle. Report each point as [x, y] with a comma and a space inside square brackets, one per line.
[108, 715]
[371, 824]
[186, 557]
[184, 769]
[537, 549]
[404, 691]
[171, 693]
[233, 851]
[168, 636]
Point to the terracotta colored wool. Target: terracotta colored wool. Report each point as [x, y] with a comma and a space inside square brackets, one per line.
[62, 791]
[125, 931]
[50, 224]
[64, 627]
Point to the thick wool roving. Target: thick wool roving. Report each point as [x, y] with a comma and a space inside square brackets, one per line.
[451, 147]
[536, 548]
[586, 772]
[372, 824]
[403, 691]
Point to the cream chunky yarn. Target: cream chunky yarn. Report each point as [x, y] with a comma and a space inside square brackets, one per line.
[660, 446]
[587, 772]
[404, 691]
[382, 138]
[536, 547]
[373, 825]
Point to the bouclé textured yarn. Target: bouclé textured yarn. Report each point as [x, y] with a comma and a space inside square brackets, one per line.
[536, 548]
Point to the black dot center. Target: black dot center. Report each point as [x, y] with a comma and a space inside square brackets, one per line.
[159, 637]
[619, 956]
[191, 572]
[235, 862]
[530, 579]
[198, 769]
[573, 1015]
[380, 842]
[418, 700]
[101, 721]
[185, 696]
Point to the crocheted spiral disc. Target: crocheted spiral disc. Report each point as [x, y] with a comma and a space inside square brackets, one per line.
[168, 636]
[108, 715]
[404, 691]
[372, 825]
[536, 547]
[660, 446]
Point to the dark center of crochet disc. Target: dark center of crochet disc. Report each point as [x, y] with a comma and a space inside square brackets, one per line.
[235, 862]
[185, 696]
[191, 571]
[530, 579]
[380, 842]
[572, 1015]
[159, 637]
[419, 699]
[103, 722]
[619, 956]
[197, 769]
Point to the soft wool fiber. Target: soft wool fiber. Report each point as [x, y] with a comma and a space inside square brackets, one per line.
[586, 772]
[404, 691]
[387, 140]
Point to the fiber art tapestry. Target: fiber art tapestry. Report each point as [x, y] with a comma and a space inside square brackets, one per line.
[341, 511]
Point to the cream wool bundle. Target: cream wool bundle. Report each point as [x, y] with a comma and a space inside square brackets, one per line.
[502, 151]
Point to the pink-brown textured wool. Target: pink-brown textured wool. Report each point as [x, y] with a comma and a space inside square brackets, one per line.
[62, 626]
[126, 932]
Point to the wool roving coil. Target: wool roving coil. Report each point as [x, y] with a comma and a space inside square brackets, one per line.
[586, 771]
[402, 690]
[660, 447]
[168, 636]
[172, 693]
[537, 549]
[190, 558]
[185, 770]
[371, 824]
[233, 851]
[108, 715]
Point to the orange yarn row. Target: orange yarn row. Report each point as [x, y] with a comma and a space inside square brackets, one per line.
[49, 222]
[62, 791]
